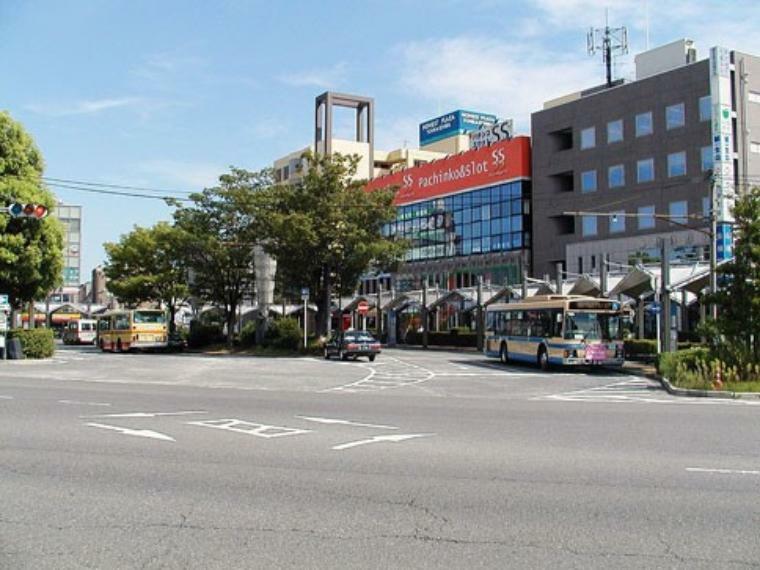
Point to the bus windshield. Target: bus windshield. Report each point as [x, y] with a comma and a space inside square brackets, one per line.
[149, 317]
[592, 326]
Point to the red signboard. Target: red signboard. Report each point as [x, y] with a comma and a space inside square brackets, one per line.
[362, 308]
[502, 161]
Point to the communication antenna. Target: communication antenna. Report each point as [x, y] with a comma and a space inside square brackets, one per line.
[610, 41]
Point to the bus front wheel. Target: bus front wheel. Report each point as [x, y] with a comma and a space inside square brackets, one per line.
[543, 359]
[503, 353]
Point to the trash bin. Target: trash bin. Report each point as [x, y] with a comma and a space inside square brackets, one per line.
[13, 346]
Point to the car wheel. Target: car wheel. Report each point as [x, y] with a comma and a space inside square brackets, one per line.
[503, 353]
[371, 357]
[543, 359]
[118, 345]
[327, 354]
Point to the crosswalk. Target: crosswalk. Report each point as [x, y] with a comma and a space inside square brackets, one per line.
[638, 391]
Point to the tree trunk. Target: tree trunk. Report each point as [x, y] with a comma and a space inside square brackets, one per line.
[172, 316]
[324, 310]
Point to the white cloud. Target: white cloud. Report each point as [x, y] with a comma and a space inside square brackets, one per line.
[186, 175]
[85, 107]
[492, 75]
[323, 78]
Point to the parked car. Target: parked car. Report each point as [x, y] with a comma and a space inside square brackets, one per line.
[352, 344]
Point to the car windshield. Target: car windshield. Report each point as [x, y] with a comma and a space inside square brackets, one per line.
[150, 317]
[592, 326]
[359, 337]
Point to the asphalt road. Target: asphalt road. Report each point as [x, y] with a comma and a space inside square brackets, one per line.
[419, 460]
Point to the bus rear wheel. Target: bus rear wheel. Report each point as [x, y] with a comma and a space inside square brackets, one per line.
[543, 359]
[504, 353]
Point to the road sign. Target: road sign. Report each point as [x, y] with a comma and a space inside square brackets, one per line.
[654, 308]
[305, 294]
[362, 308]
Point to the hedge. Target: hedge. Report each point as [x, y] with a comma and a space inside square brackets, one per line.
[35, 343]
[458, 339]
[640, 347]
[668, 363]
[203, 335]
[284, 334]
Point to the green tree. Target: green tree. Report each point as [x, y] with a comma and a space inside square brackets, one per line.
[737, 329]
[146, 265]
[218, 240]
[325, 230]
[31, 250]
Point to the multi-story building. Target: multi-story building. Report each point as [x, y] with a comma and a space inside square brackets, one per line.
[466, 215]
[71, 219]
[679, 140]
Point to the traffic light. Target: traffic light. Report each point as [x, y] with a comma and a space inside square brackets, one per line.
[37, 211]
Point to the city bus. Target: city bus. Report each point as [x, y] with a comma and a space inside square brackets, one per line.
[124, 330]
[567, 330]
[80, 331]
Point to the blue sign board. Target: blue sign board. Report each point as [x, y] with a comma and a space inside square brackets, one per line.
[454, 123]
[654, 308]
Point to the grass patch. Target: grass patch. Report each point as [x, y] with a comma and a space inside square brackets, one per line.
[692, 383]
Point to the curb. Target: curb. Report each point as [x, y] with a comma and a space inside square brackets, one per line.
[676, 391]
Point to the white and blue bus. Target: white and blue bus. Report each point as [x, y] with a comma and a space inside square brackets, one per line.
[556, 329]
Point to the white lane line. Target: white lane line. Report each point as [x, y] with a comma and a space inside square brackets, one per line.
[78, 403]
[250, 428]
[6, 397]
[136, 432]
[722, 471]
[381, 439]
[145, 414]
[344, 422]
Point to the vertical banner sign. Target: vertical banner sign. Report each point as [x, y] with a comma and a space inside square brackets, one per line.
[724, 191]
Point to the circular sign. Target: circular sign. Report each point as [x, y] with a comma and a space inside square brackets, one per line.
[362, 308]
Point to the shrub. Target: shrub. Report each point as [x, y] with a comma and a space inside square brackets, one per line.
[284, 334]
[669, 362]
[35, 343]
[248, 334]
[640, 347]
[204, 334]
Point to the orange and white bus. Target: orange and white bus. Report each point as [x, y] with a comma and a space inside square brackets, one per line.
[132, 330]
[80, 331]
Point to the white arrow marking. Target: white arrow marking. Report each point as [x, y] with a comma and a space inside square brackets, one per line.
[136, 432]
[380, 439]
[146, 414]
[344, 422]
[723, 471]
[78, 403]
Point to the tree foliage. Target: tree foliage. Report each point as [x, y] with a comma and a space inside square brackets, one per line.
[738, 298]
[217, 241]
[145, 266]
[31, 250]
[326, 230]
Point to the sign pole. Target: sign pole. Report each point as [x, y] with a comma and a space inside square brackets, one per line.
[305, 323]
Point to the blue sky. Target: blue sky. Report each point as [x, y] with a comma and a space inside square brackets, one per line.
[169, 94]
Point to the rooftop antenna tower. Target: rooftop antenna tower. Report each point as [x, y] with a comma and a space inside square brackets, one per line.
[610, 41]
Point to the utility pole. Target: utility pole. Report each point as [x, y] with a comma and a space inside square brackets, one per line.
[713, 247]
[609, 41]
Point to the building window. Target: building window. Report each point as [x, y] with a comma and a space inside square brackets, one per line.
[706, 158]
[754, 97]
[589, 226]
[615, 131]
[588, 138]
[705, 108]
[678, 211]
[588, 181]
[645, 170]
[644, 124]
[616, 176]
[754, 147]
[676, 164]
[706, 207]
[617, 222]
[675, 116]
[646, 217]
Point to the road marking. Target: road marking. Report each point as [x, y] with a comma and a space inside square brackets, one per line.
[6, 397]
[145, 414]
[344, 422]
[250, 428]
[78, 403]
[381, 439]
[722, 471]
[136, 432]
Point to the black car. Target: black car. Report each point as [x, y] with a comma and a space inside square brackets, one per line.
[352, 344]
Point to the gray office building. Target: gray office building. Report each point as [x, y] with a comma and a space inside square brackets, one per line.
[682, 138]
